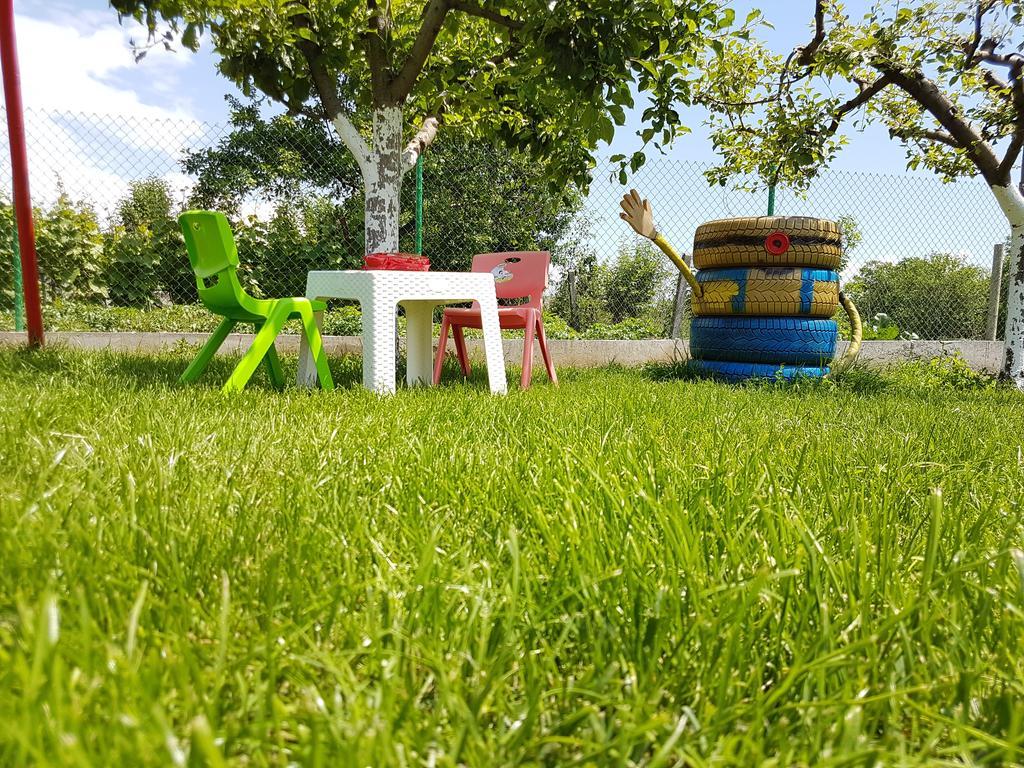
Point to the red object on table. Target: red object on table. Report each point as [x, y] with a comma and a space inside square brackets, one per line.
[412, 262]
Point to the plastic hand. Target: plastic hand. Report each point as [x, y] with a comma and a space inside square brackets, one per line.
[637, 213]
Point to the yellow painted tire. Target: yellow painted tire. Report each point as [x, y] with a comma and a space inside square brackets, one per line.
[767, 292]
[768, 241]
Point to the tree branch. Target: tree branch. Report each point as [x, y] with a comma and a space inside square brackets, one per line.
[418, 144]
[327, 89]
[1013, 151]
[376, 56]
[325, 85]
[867, 92]
[806, 55]
[940, 137]
[983, 7]
[473, 9]
[924, 91]
[353, 140]
[433, 19]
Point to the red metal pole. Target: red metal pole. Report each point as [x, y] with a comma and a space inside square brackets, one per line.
[19, 172]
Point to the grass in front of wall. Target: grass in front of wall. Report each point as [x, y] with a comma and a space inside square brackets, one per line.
[338, 320]
[628, 569]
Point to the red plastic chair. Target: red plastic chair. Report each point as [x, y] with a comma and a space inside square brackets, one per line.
[518, 275]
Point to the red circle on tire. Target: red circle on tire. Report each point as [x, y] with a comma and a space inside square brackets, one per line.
[777, 243]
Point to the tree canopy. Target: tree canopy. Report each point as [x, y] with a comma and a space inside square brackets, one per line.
[553, 78]
[944, 77]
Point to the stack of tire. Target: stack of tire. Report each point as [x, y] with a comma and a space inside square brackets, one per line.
[770, 289]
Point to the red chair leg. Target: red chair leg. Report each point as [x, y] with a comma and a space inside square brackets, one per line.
[524, 382]
[460, 349]
[442, 344]
[544, 351]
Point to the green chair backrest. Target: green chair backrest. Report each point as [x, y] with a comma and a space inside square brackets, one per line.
[211, 246]
[214, 258]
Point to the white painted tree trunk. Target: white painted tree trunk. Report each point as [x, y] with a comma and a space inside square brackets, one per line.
[1012, 202]
[383, 163]
[382, 181]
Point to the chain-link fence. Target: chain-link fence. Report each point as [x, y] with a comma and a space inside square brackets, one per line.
[107, 191]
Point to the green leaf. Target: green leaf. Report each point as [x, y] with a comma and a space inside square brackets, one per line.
[190, 37]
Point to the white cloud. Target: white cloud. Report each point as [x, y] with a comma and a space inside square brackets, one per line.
[92, 65]
[88, 126]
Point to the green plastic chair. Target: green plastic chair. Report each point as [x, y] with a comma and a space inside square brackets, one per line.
[214, 258]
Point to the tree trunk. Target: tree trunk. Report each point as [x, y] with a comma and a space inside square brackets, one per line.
[382, 180]
[1012, 202]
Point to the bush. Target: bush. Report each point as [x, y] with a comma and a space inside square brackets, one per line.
[6, 246]
[942, 373]
[606, 295]
[635, 328]
[933, 297]
[145, 249]
[276, 255]
[634, 279]
[69, 246]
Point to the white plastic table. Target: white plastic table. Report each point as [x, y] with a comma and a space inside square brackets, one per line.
[379, 293]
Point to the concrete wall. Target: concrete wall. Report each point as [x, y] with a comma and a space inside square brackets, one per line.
[981, 355]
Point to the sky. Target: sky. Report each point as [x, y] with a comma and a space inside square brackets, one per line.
[77, 64]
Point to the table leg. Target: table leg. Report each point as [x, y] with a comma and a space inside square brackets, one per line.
[419, 324]
[492, 344]
[379, 346]
[307, 366]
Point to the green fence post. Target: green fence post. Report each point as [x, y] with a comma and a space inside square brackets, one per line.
[771, 200]
[419, 205]
[19, 297]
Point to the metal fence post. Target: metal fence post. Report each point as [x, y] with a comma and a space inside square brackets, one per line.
[681, 303]
[995, 292]
[19, 298]
[419, 204]
[571, 277]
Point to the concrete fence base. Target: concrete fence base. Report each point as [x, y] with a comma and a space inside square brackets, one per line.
[981, 355]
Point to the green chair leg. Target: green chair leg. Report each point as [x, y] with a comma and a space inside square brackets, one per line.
[316, 348]
[274, 367]
[209, 349]
[261, 344]
[273, 362]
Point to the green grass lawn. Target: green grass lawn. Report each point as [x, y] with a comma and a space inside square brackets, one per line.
[625, 570]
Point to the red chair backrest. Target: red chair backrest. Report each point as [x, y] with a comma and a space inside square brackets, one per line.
[528, 272]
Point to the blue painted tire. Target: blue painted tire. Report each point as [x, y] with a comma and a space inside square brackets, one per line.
[772, 340]
[735, 372]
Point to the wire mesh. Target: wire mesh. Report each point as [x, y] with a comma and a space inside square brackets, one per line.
[108, 188]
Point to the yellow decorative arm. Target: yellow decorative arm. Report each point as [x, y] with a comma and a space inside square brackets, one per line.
[637, 213]
[856, 332]
[668, 250]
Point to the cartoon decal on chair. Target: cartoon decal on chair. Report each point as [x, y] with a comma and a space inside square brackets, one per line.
[501, 275]
[764, 296]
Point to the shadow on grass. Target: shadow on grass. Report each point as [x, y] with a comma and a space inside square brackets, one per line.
[162, 369]
[924, 380]
[159, 370]
[856, 379]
